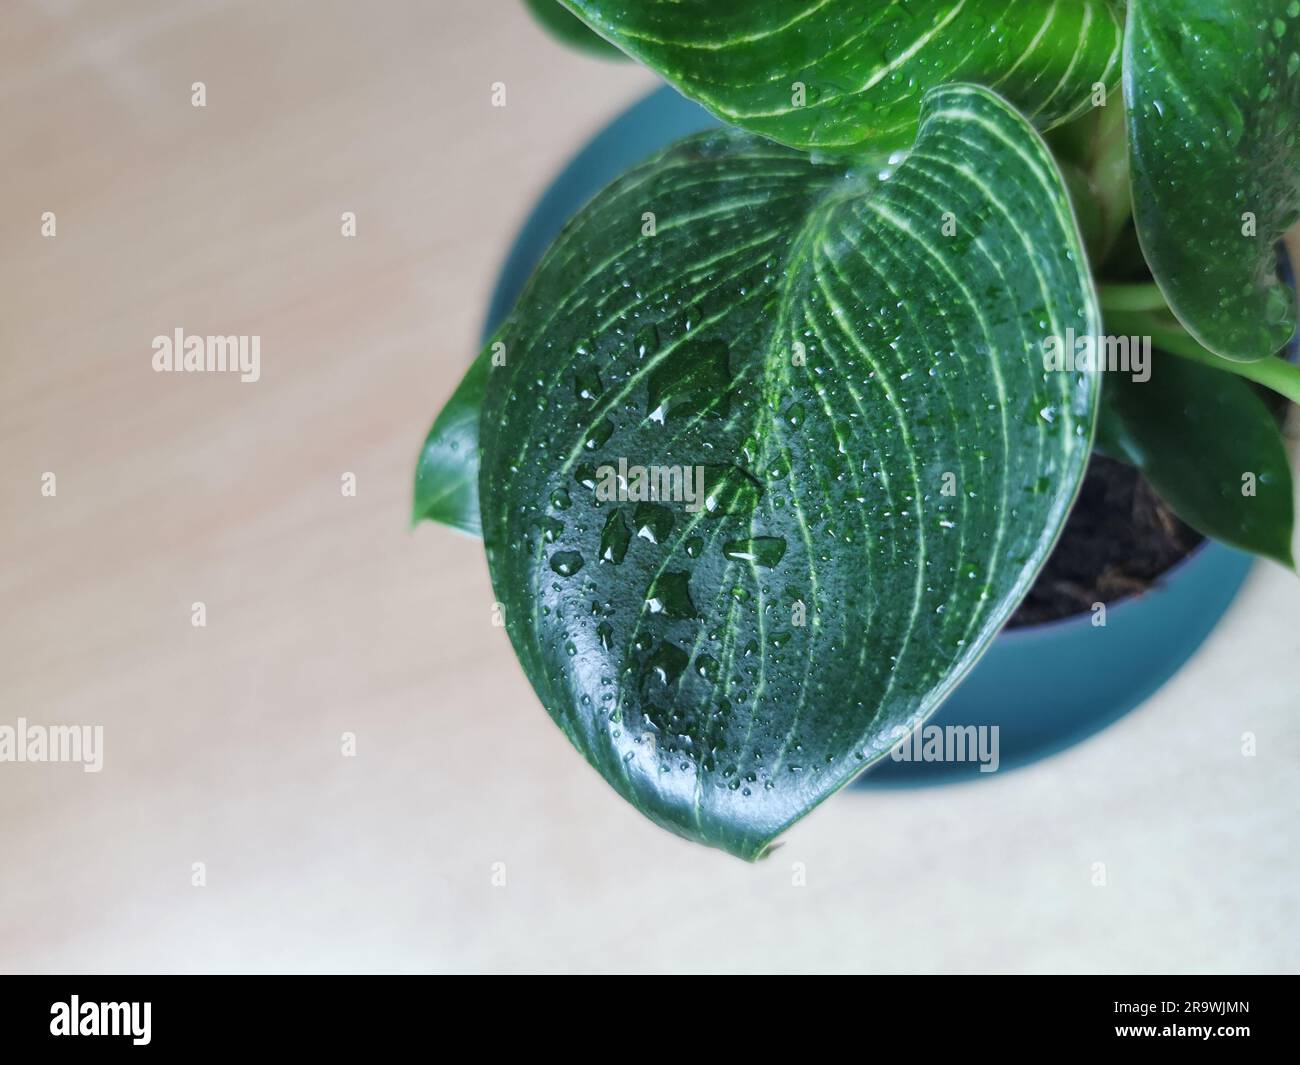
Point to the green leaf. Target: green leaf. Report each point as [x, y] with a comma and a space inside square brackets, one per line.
[446, 475]
[1197, 435]
[570, 29]
[1213, 95]
[885, 463]
[864, 67]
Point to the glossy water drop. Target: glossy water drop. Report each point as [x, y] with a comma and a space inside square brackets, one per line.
[694, 380]
[614, 539]
[552, 529]
[586, 386]
[730, 490]
[761, 550]
[670, 595]
[600, 434]
[652, 522]
[646, 341]
[566, 563]
[707, 667]
[665, 665]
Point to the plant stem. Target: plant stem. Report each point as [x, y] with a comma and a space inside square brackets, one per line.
[1108, 170]
[1281, 376]
[1146, 297]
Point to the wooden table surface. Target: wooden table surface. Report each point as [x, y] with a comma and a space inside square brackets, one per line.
[326, 615]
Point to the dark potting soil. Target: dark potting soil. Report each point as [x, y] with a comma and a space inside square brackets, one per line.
[1118, 541]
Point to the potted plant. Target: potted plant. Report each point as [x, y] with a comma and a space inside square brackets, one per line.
[785, 425]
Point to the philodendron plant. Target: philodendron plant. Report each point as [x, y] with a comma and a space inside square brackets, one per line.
[790, 415]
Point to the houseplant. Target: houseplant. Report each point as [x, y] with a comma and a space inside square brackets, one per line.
[858, 341]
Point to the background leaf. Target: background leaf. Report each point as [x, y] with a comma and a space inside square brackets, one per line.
[1092, 152]
[864, 66]
[567, 27]
[1213, 95]
[886, 460]
[1194, 432]
[446, 475]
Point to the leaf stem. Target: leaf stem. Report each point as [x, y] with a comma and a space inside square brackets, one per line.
[1108, 169]
[1145, 297]
[1281, 376]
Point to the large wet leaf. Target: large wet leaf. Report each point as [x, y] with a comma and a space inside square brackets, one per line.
[884, 461]
[847, 76]
[1213, 94]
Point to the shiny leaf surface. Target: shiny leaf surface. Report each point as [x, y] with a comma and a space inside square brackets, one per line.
[860, 461]
[446, 475]
[845, 76]
[1213, 95]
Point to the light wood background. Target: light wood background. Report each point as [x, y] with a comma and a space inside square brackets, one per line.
[325, 614]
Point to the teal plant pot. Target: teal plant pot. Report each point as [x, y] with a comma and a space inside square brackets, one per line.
[1044, 687]
[1047, 687]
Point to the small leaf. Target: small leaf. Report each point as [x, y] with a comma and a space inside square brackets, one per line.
[1213, 95]
[1209, 446]
[844, 76]
[446, 475]
[567, 27]
[870, 460]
